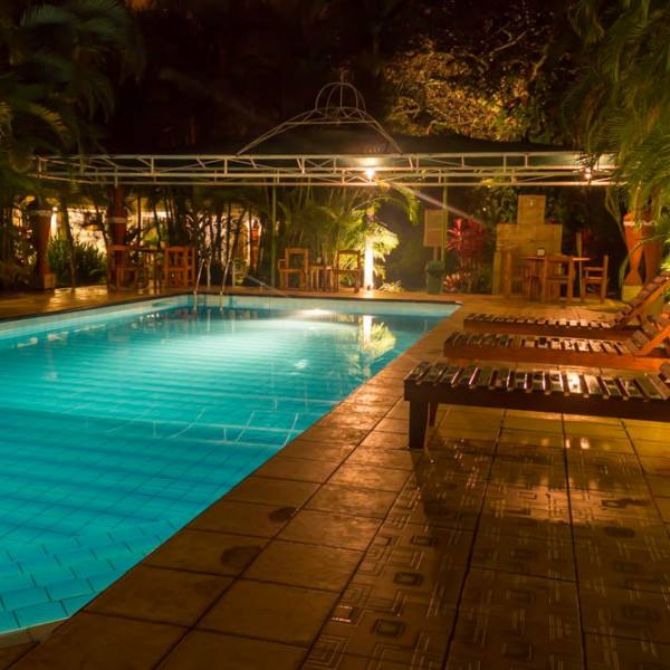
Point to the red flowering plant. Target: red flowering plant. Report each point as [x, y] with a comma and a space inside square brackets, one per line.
[467, 243]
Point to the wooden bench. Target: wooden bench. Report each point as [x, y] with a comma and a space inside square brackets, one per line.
[621, 325]
[594, 393]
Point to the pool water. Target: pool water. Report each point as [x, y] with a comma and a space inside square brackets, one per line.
[119, 426]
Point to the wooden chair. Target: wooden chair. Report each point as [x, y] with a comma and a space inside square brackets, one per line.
[593, 275]
[558, 273]
[348, 265]
[532, 278]
[515, 275]
[124, 271]
[178, 267]
[288, 267]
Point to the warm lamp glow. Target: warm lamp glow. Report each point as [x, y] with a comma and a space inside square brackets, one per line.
[53, 226]
[368, 264]
[370, 173]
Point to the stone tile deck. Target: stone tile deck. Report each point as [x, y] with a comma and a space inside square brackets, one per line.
[516, 540]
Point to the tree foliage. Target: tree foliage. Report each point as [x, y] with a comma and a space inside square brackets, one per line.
[58, 62]
[490, 74]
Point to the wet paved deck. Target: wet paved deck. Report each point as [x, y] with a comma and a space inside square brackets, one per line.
[516, 540]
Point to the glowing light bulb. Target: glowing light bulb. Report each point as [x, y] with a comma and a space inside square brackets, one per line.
[370, 173]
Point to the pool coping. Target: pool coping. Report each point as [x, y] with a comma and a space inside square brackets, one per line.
[250, 294]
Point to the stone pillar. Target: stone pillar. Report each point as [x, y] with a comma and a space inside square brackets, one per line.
[40, 223]
[634, 233]
[117, 224]
[653, 255]
[117, 217]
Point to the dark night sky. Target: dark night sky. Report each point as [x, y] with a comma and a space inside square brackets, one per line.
[221, 71]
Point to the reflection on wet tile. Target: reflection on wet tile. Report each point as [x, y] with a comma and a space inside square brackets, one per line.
[487, 640]
[532, 556]
[377, 625]
[532, 438]
[606, 471]
[500, 593]
[627, 613]
[604, 652]
[582, 442]
[625, 565]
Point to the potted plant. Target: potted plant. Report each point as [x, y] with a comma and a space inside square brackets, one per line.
[434, 276]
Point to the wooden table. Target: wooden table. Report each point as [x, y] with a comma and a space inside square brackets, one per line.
[535, 278]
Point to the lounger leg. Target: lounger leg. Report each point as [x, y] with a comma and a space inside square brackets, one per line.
[418, 423]
[432, 413]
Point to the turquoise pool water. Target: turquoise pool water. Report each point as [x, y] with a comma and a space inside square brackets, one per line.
[120, 425]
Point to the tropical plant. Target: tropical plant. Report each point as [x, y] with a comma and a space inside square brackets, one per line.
[325, 220]
[89, 264]
[59, 61]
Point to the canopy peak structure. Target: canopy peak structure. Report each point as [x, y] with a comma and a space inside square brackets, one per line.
[336, 104]
[337, 143]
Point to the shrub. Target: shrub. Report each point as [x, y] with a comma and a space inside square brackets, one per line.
[90, 264]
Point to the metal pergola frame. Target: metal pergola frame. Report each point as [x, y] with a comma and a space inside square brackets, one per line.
[337, 105]
[415, 170]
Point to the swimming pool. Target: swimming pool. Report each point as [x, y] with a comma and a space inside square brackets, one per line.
[121, 424]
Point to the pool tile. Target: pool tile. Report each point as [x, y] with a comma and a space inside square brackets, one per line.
[604, 652]
[207, 552]
[198, 648]
[304, 449]
[102, 642]
[328, 529]
[24, 597]
[371, 477]
[380, 628]
[74, 604]
[34, 615]
[306, 470]
[626, 613]
[396, 459]
[160, 595]
[13, 652]
[487, 640]
[69, 588]
[8, 622]
[273, 491]
[383, 440]
[305, 565]
[286, 614]
[352, 500]
[103, 580]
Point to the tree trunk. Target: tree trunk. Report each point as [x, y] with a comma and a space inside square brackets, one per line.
[72, 248]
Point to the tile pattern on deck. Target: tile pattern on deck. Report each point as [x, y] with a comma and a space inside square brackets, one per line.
[514, 541]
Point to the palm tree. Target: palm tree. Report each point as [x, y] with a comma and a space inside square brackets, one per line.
[621, 101]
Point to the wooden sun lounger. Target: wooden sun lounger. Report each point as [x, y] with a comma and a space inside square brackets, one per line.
[621, 325]
[618, 394]
[647, 348]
